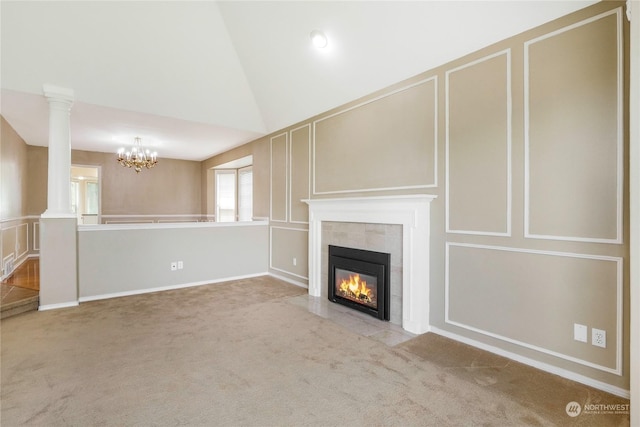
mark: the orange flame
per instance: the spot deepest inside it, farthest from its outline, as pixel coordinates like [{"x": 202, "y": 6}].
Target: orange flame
[{"x": 355, "y": 288}]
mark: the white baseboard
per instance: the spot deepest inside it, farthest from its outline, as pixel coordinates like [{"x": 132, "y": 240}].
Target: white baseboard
[
  {"x": 166, "y": 288},
  {"x": 57, "y": 306},
  {"x": 286, "y": 279},
  {"x": 536, "y": 364}
]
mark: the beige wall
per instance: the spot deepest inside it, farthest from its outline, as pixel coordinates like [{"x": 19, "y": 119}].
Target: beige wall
[
  {"x": 13, "y": 169},
  {"x": 300, "y": 167},
  {"x": 37, "y": 185},
  {"x": 477, "y": 143},
  {"x": 524, "y": 144},
  {"x": 371, "y": 146},
  {"x": 17, "y": 228},
  {"x": 573, "y": 143},
  {"x": 171, "y": 188}
]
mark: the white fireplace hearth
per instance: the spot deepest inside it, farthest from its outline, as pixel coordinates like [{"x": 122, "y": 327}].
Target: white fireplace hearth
[{"x": 413, "y": 213}]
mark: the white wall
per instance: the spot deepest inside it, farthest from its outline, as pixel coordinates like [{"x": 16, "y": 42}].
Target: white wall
[{"x": 117, "y": 260}]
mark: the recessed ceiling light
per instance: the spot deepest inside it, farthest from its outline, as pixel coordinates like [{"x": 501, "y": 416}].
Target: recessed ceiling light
[{"x": 318, "y": 39}]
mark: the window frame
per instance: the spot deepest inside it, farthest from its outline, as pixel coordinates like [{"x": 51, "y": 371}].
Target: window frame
[
  {"x": 236, "y": 193},
  {"x": 218, "y": 172},
  {"x": 239, "y": 172}
]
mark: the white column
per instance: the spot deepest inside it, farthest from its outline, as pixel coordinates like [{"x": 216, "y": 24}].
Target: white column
[
  {"x": 58, "y": 195},
  {"x": 58, "y": 242}
]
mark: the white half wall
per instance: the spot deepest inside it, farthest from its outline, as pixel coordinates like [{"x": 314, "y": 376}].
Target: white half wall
[{"x": 118, "y": 260}]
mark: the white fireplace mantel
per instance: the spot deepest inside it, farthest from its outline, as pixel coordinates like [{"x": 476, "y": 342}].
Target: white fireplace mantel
[{"x": 413, "y": 213}]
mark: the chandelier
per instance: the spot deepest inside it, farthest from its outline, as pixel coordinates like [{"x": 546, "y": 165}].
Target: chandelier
[{"x": 137, "y": 157}]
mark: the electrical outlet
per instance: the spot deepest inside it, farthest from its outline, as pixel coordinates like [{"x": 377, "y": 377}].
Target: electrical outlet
[
  {"x": 180, "y": 265},
  {"x": 599, "y": 337},
  {"x": 579, "y": 332},
  {"x": 174, "y": 266},
  {"x": 295, "y": 261}
]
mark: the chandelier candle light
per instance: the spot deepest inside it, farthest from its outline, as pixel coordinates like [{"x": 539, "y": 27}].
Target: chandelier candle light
[{"x": 137, "y": 157}]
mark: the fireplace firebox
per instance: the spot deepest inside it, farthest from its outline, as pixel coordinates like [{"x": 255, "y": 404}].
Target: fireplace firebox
[{"x": 360, "y": 279}]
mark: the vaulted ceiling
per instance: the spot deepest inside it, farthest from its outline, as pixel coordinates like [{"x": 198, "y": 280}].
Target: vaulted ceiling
[{"x": 196, "y": 78}]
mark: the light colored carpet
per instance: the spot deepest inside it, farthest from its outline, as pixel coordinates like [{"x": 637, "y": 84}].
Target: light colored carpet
[{"x": 230, "y": 354}]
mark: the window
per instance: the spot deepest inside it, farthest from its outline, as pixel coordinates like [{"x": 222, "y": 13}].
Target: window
[
  {"x": 245, "y": 194},
  {"x": 225, "y": 195},
  {"x": 75, "y": 191},
  {"x": 234, "y": 190},
  {"x": 85, "y": 193},
  {"x": 91, "y": 197}
]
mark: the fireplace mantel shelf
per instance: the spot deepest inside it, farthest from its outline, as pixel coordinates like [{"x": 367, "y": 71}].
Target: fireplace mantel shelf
[{"x": 410, "y": 211}]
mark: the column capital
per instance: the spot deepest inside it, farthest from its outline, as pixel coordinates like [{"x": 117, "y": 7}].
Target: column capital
[{"x": 57, "y": 93}]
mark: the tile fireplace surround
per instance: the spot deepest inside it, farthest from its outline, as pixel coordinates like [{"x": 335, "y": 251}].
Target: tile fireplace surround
[{"x": 413, "y": 213}]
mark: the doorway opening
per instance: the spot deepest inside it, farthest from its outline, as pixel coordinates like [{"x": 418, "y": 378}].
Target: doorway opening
[{"x": 85, "y": 194}]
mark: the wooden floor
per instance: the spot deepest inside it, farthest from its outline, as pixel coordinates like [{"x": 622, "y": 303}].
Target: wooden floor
[{"x": 20, "y": 292}]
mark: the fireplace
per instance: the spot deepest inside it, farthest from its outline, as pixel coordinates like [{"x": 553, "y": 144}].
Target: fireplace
[
  {"x": 360, "y": 279},
  {"x": 412, "y": 212}
]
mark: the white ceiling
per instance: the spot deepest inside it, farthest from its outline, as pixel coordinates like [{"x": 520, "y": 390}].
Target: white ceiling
[{"x": 196, "y": 78}]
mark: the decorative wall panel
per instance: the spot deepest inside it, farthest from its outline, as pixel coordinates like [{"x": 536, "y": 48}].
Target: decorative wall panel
[
  {"x": 573, "y": 132},
  {"x": 9, "y": 238},
  {"x": 542, "y": 294},
  {"x": 36, "y": 236},
  {"x": 300, "y": 154},
  {"x": 279, "y": 178},
  {"x": 367, "y": 147},
  {"x": 292, "y": 251},
  {"x": 478, "y": 146},
  {"x": 22, "y": 240}
]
